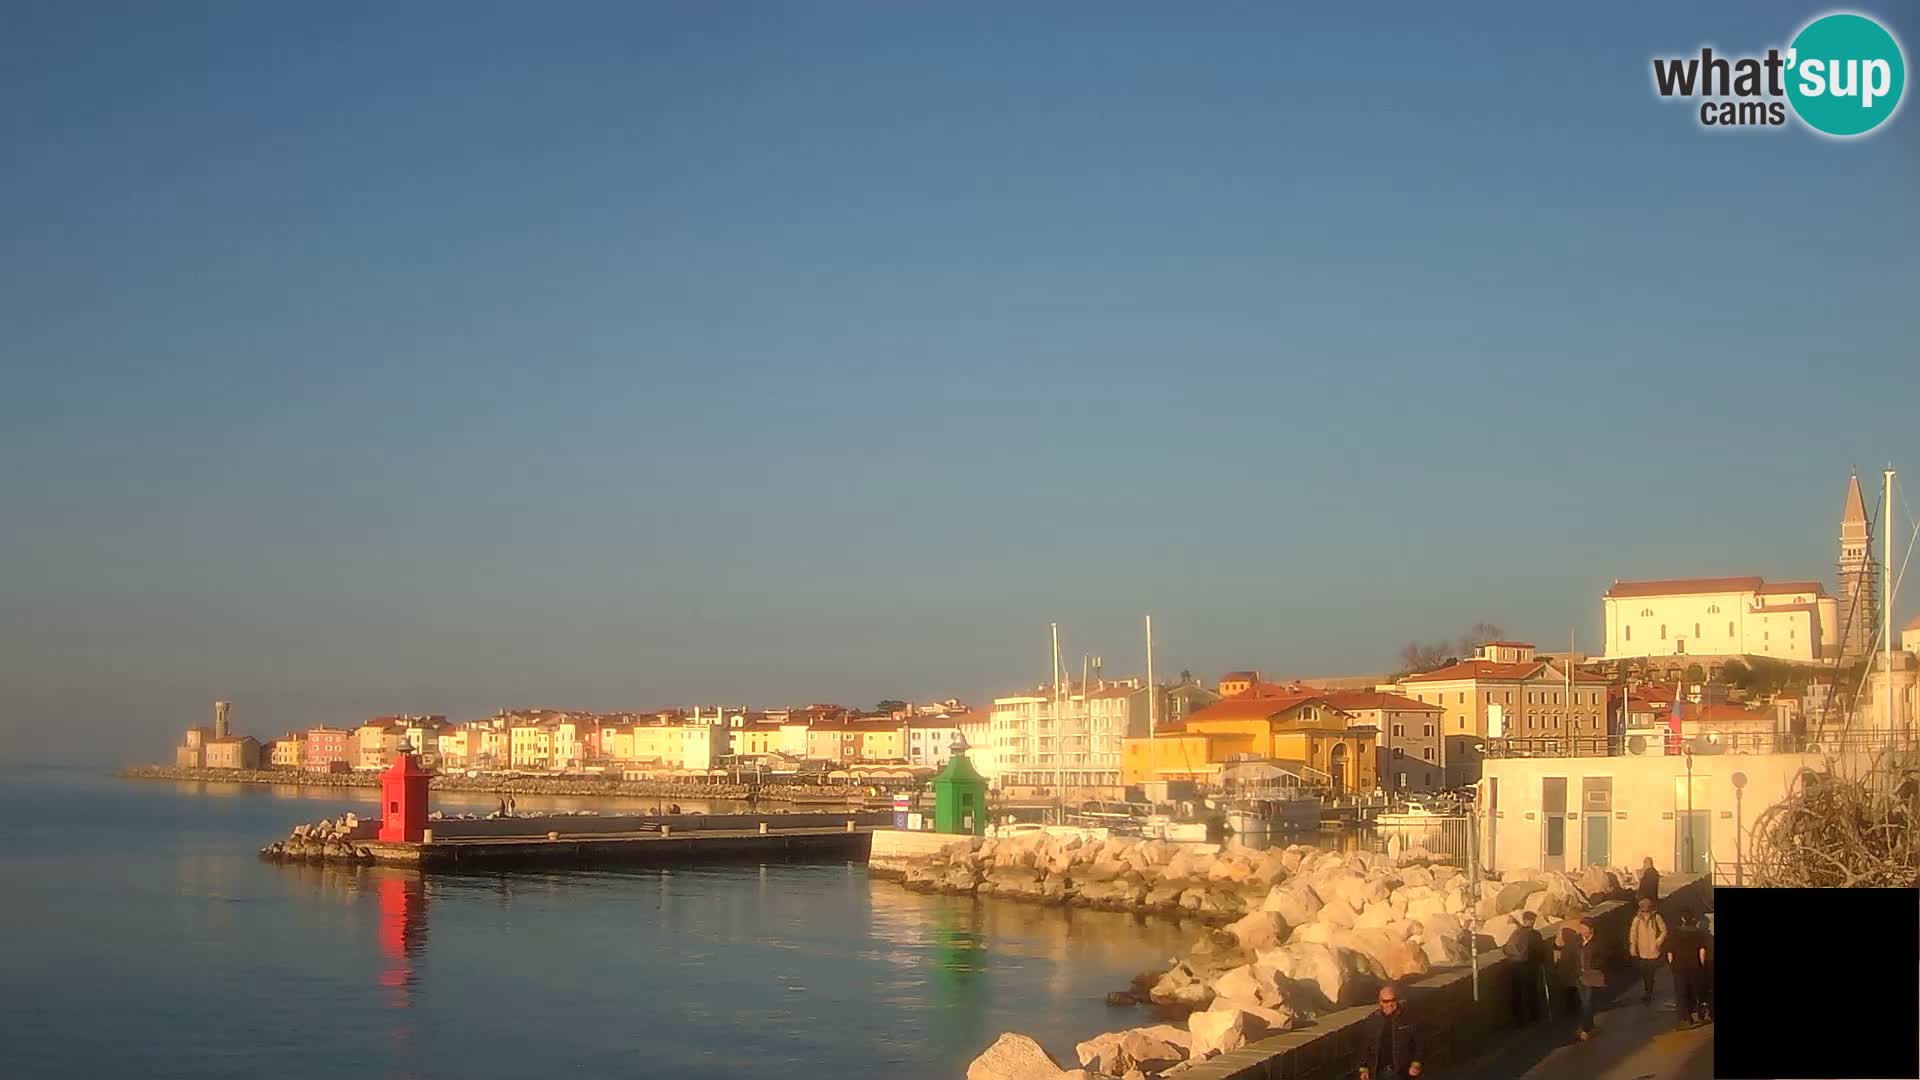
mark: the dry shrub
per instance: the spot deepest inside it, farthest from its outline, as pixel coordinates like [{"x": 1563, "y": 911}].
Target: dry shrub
[{"x": 1845, "y": 827}]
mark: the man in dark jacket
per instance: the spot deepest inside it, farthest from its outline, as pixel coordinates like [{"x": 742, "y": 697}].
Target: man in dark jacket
[
  {"x": 1649, "y": 888},
  {"x": 1687, "y": 958},
  {"x": 1528, "y": 952},
  {"x": 1391, "y": 1049}
]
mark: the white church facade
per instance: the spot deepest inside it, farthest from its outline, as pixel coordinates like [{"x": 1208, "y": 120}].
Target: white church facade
[
  {"x": 1749, "y": 616},
  {"x": 1737, "y": 616}
]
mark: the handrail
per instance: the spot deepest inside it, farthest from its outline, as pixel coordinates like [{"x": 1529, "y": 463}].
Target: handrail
[{"x": 1661, "y": 744}]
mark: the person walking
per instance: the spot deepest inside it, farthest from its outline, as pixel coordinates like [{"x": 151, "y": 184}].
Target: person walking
[
  {"x": 1563, "y": 982},
  {"x": 1687, "y": 958},
  {"x": 1390, "y": 1047},
  {"x": 1591, "y": 978},
  {"x": 1649, "y": 886},
  {"x": 1647, "y": 943},
  {"x": 1528, "y": 951}
]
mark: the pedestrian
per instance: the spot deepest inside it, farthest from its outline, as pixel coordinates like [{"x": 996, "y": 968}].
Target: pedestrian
[
  {"x": 1527, "y": 950},
  {"x": 1687, "y": 958},
  {"x": 1593, "y": 978},
  {"x": 1564, "y": 980},
  {"x": 511, "y": 808},
  {"x": 1647, "y": 942},
  {"x": 1390, "y": 1048},
  {"x": 1649, "y": 888}
]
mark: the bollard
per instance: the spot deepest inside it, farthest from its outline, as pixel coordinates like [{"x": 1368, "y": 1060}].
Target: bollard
[
  {"x": 763, "y": 828},
  {"x": 426, "y": 836},
  {"x": 553, "y": 835},
  {"x": 849, "y": 824},
  {"x": 666, "y": 830}
]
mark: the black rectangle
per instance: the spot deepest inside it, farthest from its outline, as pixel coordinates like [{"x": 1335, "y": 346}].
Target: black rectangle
[{"x": 1844, "y": 962}]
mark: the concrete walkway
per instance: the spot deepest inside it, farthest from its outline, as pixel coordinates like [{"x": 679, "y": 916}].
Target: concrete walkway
[{"x": 1633, "y": 1042}]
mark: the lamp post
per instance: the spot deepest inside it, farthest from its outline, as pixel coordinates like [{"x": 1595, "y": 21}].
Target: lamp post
[
  {"x": 1739, "y": 825},
  {"x": 1686, "y": 831}
]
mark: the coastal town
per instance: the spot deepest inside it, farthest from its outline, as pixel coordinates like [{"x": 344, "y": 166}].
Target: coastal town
[{"x": 1691, "y": 669}]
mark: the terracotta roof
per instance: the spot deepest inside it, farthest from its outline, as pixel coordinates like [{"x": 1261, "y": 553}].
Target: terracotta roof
[
  {"x": 1778, "y": 609},
  {"x": 1813, "y": 587},
  {"x": 945, "y": 722},
  {"x": 1494, "y": 671},
  {"x": 1508, "y": 644},
  {"x": 1350, "y": 700},
  {"x": 1683, "y": 586},
  {"x": 1242, "y": 707},
  {"x": 1240, "y": 676}
]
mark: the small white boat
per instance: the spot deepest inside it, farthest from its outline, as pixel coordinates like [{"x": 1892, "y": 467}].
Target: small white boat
[
  {"x": 1162, "y": 827},
  {"x": 1416, "y": 815}
]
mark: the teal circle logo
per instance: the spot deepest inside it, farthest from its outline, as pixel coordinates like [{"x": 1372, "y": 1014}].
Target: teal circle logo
[{"x": 1845, "y": 74}]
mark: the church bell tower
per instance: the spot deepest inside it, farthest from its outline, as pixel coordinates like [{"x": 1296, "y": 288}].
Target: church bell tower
[{"x": 1859, "y": 576}]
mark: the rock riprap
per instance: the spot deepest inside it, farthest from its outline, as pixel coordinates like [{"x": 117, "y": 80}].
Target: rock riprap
[
  {"x": 1302, "y": 932},
  {"x": 337, "y": 840}
]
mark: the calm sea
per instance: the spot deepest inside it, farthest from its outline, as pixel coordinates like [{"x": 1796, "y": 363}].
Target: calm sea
[{"x": 145, "y": 938}]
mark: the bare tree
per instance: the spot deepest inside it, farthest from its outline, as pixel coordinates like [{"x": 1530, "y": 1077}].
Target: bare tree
[
  {"x": 1417, "y": 656},
  {"x": 1479, "y": 634}
]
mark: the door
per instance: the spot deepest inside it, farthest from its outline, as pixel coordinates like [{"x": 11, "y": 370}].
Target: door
[
  {"x": 1553, "y": 823},
  {"x": 1599, "y": 840},
  {"x": 1692, "y": 835}
]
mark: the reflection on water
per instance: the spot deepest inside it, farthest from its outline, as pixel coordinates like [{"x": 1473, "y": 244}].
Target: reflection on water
[{"x": 691, "y": 972}]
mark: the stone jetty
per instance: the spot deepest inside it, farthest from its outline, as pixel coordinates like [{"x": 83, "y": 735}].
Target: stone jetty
[
  {"x": 339, "y": 840},
  {"x": 1299, "y": 933}
]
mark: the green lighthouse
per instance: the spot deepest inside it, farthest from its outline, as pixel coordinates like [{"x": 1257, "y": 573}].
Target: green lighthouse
[{"x": 960, "y": 795}]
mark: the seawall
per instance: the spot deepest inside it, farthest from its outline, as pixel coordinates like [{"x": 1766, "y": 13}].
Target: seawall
[{"x": 1457, "y": 1027}]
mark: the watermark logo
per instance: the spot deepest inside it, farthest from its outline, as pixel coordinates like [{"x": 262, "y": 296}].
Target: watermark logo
[{"x": 1842, "y": 75}]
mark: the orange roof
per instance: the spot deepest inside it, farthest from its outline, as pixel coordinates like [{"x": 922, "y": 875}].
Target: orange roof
[
  {"x": 1245, "y": 707},
  {"x": 1494, "y": 671},
  {"x": 1813, "y": 587},
  {"x": 1509, "y": 644},
  {"x": 1351, "y": 700},
  {"x": 1240, "y": 676},
  {"x": 1682, "y": 586}
]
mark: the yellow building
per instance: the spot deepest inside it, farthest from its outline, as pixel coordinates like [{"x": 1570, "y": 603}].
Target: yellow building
[
  {"x": 881, "y": 740},
  {"x": 530, "y": 746},
  {"x": 1302, "y": 731},
  {"x": 1506, "y": 692},
  {"x": 760, "y": 738},
  {"x": 290, "y": 752}
]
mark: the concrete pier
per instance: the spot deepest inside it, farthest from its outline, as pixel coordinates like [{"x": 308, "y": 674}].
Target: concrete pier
[{"x": 652, "y": 847}]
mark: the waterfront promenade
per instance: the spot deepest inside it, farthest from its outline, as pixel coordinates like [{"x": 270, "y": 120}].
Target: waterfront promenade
[{"x": 1633, "y": 1042}]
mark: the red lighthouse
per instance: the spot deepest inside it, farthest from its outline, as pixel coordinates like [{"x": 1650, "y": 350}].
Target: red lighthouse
[{"x": 403, "y": 800}]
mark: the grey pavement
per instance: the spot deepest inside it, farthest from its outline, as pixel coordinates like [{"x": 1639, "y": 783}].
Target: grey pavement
[{"x": 1633, "y": 1042}]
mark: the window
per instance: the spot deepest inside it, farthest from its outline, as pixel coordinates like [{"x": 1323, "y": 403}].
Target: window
[
  {"x": 1696, "y": 629},
  {"x": 1397, "y": 732},
  {"x": 1713, "y": 609},
  {"x": 1398, "y": 753},
  {"x": 1663, "y": 631},
  {"x": 1429, "y": 731},
  {"x": 1646, "y": 613},
  {"x": 1629, "y": 633},
  {"x": 1460, "y": 698},
  {"x": 1729, "y": 627}
]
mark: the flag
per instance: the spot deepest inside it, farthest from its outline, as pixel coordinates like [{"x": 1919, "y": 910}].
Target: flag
[{"x": 1673, "y": 720}]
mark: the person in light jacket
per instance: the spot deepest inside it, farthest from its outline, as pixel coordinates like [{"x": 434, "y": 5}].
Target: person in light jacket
[{"x": 1647, "y": 943}]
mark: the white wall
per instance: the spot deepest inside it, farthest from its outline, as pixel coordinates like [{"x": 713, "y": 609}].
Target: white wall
[{"x": 1648, "y": 792}]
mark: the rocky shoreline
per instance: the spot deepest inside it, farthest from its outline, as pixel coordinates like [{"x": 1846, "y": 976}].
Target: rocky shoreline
[
  {"x": 334, "y": 841},
  {"x": 576, "y": 786},
  {"x": 1302, "y": 932}
]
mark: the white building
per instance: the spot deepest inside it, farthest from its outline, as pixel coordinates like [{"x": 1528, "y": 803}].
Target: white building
[
  {"x": 1733, "y": 616},
  {"x": 930, "y": 740},
  {"x": 1045, "y": 748}
]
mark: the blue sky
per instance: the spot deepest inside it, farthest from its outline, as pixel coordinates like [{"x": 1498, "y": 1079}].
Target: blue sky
[{"x": 446, "y": 356}]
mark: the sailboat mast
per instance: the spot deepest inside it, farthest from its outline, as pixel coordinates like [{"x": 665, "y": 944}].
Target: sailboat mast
[{"x": 1886, "y": 590}]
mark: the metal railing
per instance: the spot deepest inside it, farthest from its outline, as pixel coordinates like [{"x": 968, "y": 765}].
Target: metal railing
[{"x": 1658, "y": 745}]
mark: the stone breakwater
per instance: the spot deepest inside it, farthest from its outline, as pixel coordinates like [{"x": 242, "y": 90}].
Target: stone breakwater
[
  {"x": 1305, "y": 932},
  {"x": 335, "y": 840},
  {"x": 500, "y": 785}
]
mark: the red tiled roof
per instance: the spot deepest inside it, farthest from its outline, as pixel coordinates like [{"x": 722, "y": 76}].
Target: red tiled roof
[
  {"x": 1494, "y": 671},
  {"x": 1684, "y": 586},
  {"x": 1351, "y": 700},
  {"x": 1244, "y": 707},
  {"x": 1813, "y": 587},
  {"x": 1509, "y": 644},
  {"x": 1780, "y": 609}
]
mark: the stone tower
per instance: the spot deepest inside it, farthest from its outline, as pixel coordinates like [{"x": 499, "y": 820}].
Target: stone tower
[{"x": 1859, "y": 579}]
